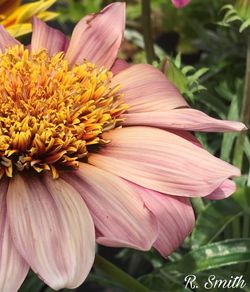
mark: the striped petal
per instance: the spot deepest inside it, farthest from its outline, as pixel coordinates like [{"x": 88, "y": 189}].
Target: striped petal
[
  {"x": 183, "y": 119},
  {"x": 117, "y": 209},
  {"x": 6, "y": 40},
  {"x": 146, "y": 89},
  {"x": 98, "y": 37},
  {"x": 52, "y": 229},
  {"x": 175, "y": 218},
  {"x": 45, "y": 37},
  {"x": 227, "y": 188},
  {"x": 162, "y": 161},
  {"x": 118, "y": 66},
  {"x": 13, "y": 268}
]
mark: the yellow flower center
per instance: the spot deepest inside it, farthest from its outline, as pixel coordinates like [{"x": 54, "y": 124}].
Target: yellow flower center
[{"x": 51, "y": 116}]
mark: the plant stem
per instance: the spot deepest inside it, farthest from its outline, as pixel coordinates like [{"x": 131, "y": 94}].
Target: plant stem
[
  {"x": 119, "y": 276},
  {"x": 236, "y": 226},
  {"x": 246, "y": 225},
  {"x": 245, "y": 113},
  {"x": 198, "y": 205},
  {"x": 147, "y": 31}
]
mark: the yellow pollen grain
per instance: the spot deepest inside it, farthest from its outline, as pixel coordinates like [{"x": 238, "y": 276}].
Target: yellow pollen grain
[{"x": 51, "y": 115}]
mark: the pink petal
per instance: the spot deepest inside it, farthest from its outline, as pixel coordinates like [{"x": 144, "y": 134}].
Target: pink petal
[
  {"x": 45, "y": 37},
  {"x": 98, "y": 37},
  {"x": 180, "y": 3},
  {"x": 183, "y": 119},
  {"x": 226, "y": 189},
  {"x": 162, "y": 161},
  {"x": 146, "y": 89},
  {"x": 175, "y": 218},
  {"x": 52, "y": 229},
  {"x": 117, "y": 209},
  {"x": 187, "y": 136},
  {"x": 13, "y": 268},
  {"x": 6, "y": 40},
  {"x": 118, "y": 66}
]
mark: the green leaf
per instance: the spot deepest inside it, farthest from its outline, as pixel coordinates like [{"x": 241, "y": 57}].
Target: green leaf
[
  {"x": 247, "y": 148},
  {"x": 245, "y": 25},
  {"x": 116, "y": 274},
  {"x": 217, "y": 215},
  {"x": 214, "y": 255},
  {"x": 176, "y": 76},
  {"x": 229, "y": 138}
]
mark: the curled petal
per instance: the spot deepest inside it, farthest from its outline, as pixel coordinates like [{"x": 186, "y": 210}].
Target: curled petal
[
  {"x": 147, "y": 89},
  {"x": 182, "y": 119},
  {"x": 45, "y": 37},
  {"x": 175, "y": 218},
  {"x": 52, "y": 229},
  {"x": 118, "y": 66},
  {"x": 227, "y": 188},
  {"x": 13, "y": 268},
  {"x": 98, "y": 37},
  {"x": 162, "y": 161},
  {"x": 117, "y": 209}
]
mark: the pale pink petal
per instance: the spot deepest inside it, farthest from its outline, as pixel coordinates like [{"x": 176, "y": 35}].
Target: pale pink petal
[
  {"x": 226, "y": 189},
  {"x": 180, "y": 3},
  {"x": 13, "y": 268},
  {"x": 45, "y": 37},
  {"x": 187, "y": 136},
  {"x": 117, "y": 209},
  {"x": 98, "y": 37},
  {"x": 175, "y": 218},
  {"x": 183, "y": 119},
  {"x": 146, "y": 89},
  {"x": 52, "y": 229},
  {"x": 118, "y": 66},
  {"x": 6, "y": 40},
  {"x": 162, "y": 161}
]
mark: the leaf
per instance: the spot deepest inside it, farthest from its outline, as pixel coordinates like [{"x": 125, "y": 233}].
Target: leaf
[
  {"x": 229, "y": 138},
  {"x": 176, "y": 76},
  {"x": 158, "y": 282},
  {"x": 199, "y": 73},
  {"x": 211, "y": 256},
  {"x": 119, "y": 276},
  {"x": 247, "y": 148},
  {"x": 245, "y": 25},
  {"x": 217, "y": 215}
]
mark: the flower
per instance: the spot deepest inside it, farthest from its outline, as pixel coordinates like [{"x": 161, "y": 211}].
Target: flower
[
  {"x": 16, "y": 17},
  {"x": 93, "y": 150},
  {"x": 180, "y": 3}
]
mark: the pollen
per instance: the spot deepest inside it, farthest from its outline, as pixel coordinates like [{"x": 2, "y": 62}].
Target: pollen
[{"x": 52, "y": 116}]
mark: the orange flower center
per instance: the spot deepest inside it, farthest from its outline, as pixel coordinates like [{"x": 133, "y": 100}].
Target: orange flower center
[{"x": 51, "y": 116}]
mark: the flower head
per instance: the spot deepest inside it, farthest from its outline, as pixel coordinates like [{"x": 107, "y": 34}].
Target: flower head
[
  {"x": 16, "y": 18},
  {"x": 93, "y": 150},
  {"x": 180, "y": 3}
]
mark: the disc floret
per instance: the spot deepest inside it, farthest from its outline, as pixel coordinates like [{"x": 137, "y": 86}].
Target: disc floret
[{"x": 51, "y": 114}]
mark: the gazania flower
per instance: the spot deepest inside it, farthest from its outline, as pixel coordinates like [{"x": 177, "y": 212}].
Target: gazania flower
[
  {"x": 180, "y": 3},
  {"x": 94, "y": 151},
  {"x": 16, "y": 18}
]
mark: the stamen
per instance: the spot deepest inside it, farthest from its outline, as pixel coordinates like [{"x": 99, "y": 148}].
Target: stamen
[{"x": 50, "y": 114}]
